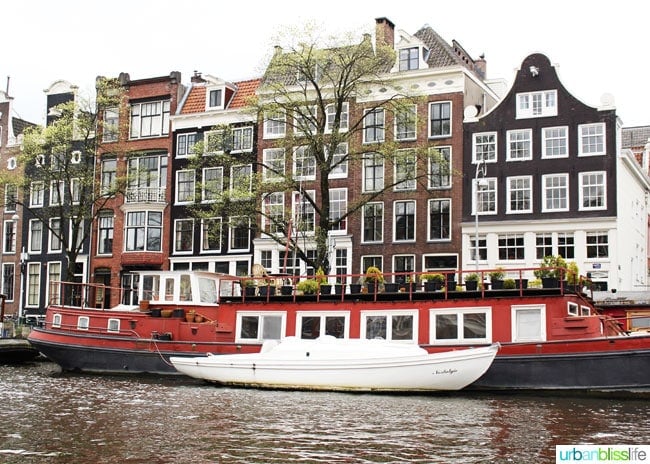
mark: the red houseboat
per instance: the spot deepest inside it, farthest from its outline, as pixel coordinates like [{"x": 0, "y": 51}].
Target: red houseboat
[{"x": 551, "y": 338}]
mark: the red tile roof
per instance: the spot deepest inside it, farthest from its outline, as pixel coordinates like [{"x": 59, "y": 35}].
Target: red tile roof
[
  {"x": 195, "y": 102},
  {"x": 245, "y": 90}
]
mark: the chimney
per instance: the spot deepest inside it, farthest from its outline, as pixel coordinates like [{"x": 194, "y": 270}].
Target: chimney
[
  {"x": 384, "y": 32},
  {"x": 480, "y": 66},
  {"x": 197, "y": 77}
]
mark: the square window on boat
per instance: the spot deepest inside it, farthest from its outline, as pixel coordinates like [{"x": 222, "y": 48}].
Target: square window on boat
[
  {"x": 113, "y": 325},
  {"x": 572, "y": 309},
  {"x": 56, "y": 320},
  {"x": 260, "y": 327},
  {"x": 585, "y": 311},
  {"x": 82, "y": 323},
  {"x": 312, "y": 325},
  {"x": 390, "y": 326},
  {"x": 528, "y": 323},
  {"x": 463, "y": 325}
]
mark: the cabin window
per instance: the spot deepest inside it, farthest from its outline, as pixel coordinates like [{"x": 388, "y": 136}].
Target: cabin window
[
  {"x": 207, "y": 290},
  {"x": 312, "y": 325},
  {"x": 393, "y": 326},
  {"x": 82, "y": 323},
  {"x": 260, "y": 327},
  {"x": 572, "y": 309},
  {"x": 528, "y": 323},
  {"x": 113, "y": 325},
  {"x": 585, "y": 311},
  {"x": 463, "y": 325},
  {"x": 56, "y": 320},
  {"x": 639, "y": 321}
]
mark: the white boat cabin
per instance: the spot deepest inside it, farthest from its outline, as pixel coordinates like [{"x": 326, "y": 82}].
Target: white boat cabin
[{"x": 184, "y": 287}]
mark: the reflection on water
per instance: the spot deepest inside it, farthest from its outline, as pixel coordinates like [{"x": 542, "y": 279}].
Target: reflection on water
[{"x": 80, "y": 418}]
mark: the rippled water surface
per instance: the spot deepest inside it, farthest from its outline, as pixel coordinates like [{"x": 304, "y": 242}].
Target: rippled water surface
[{"x": 55, "y": 418}]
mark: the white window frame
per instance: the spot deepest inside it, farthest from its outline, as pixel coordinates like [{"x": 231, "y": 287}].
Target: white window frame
[
  {"x": 554, "y": 138},
  {"x": 52, "y": 238},
  {"x": 219, "y": 185},
  {"x": 523, "y": 140},
  {"x": 330, "y": 113},
  {"x": 378, "y": 127},
  {"x": 478, "y": 196},
  {"x": 538, "y": 104},
  {"x": 160, "y": 121},
  {"x": 381, "y": 165},
  {"x": 415, "y": 221},
  {"x": 490, "y": 144},
  {"x": 430, "y": 203},
  {"x": 581, "y": 190},
  {"x": 389, "y": 323},
  {"x": 187, "y": 144},
  {"x": 273, "y": 159},
  {"x": 341, "y": 199},
  {"x": 307, "y": 169},
  {"x": 339, "y": 171},
  {"x": 363, "y": 222},
  {"x": 57, "y": 194},
  {"x": 296, "y": 202},
  {"x": 218, "y": 220},
  {"x": 406, "y": 159},
  {"x": 245, "y": 139},
  {"x": 460, "y": 313},
  {"x": 32, "y": 241},
  {"x": 545, "y": 189},
  {"x": 323, "y": 315},
  {"x": 113, "y": 325},
  {"x": 260, "y": 315},
  {"x": 222, "y": 95},
  {"x": 56, "y": 320},
  {"x": 451, "y": 114},
  {"x": 304, "y": 121},
  {"x": 232, "y": 227},
  {"x": 83, "y": 323},
  {"x": 510, "y": 191},
  {"x": 190, "y": 181},
  {"x": 177, "y": 222},
  {"x": 275, "y": 125},
  {"x": 444, "y": 154},
  {"x": 270, "y": 210},
  {"x": 516, "y": 335},
  {"x": 241, "y": 168},
  {"x": 406, "y": 117},
  {"x": 37, "y": 194},
  {"x": 587, "y": 134}
]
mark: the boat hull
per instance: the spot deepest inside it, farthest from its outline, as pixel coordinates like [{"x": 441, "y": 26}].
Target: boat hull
[
  {"x": 15, "y": 351},
  {"x": 338, "y": 371}
]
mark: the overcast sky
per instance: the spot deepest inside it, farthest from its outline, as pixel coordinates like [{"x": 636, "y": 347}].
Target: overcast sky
[{"x": 599, "y": 47}]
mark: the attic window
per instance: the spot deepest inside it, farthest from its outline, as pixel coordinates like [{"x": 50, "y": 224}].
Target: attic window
[
  {"x": 408, "y": 59},
  {"x": 214, "y": 98}
]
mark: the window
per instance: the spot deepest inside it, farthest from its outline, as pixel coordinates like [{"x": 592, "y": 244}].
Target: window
[
  {"x": 241, "y": 178},
  {"x": 215, "y": 98},
  {"x": 185, "y": 144},
  {"x": 389, "y": 325},
  {"x": 273, "y": 217},
  {"x": 368, "y": 261},
  {"x": 304, "y": 164},
  {"x": 55, "y": 235},
  {"x": 83, "y": 322},
  {"x": 528, "y": 323},
  {"x": 113, "y": 325},
  {"x": 274, "y": 125},
  {"x": 330, "y": 118},
  {"x": 105, "y": 233},
  {"x": 214, "y": 142},
  {"x": 341, "y": 264},
  {"x": 339, "y": 162},
  {"x": 511, "y": 247},
  {"x": 482, "y": 248},
  {"x": 537, "y": 104},
  {"x": 311, "y": 325},
  {"x": 338, "y": 209},
  {"x": 304, "y": 216},
  {"x": 373, "y": 126},
  {"x": 466, "y": 325},
  {"x": 485, "y": 200},
  {"x": 555, "y": 142},
  {"x": 33, "y": 284},
  {"x": 147, "y": 179},
  {"x": 111, "y": 129},
  {"x": 403, "y": 266},
  {"x": 406, "y": 123},
  {"x": 543, "y": 245},
  {"x": 11, "y": 195},
  {"x": 520, "y": 194},
  {"x": 439, "y": 219},
  {"x": 8, "y": 277},
  {"x": 242, "y": 139},
  {"x": 239, "y": 231},
  {"x": 54, "y": 282},
  {"x": 520, "y": 145},
  {"x": 484, "y": 147},
  {"x": 35, "y": 236},
  {"x": 373, "y": 222},
  {"x": 304, "y": 120},
  {"x": 109, "y": 174},
  {"x": 555, "y": 192},
  {"x": 211, "y": 230},
  {"x": 9, "y": 243},
  {"x": 75, "y": 190},
  {"x": 56, "y": 320},
  {"x": 404, "y": 220},
  {"x": 143, "y": 231},
  {"x": 260, "y": 327},
  {"x": 184, "y": 235},
  {"x": 212, "y": 185},
  {"x": 409, "y": 59},
  {"x": 405, "y": 170},
  {"x": 565, "y": 245},
  {"x": 37, "y": 194},
  {"x": 597, "y": 245},
  {"x": 440, "y": 119},
  {"x": 373, "y": 172},
  {"x": 150, "y": 119},
  {"x": 593, "y": 191},
  {"x": 591, "y": 140},
  {"x": 439, "y": 171},
  {"x": 273, "y": 164},
  {"x": 185, "y": 186},
  {"x": 57, "y": 191}
]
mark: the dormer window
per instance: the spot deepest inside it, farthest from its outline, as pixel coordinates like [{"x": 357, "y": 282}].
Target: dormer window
[
  {"x": 214, "y": 98},
  {"x": 409, "y": 59}
]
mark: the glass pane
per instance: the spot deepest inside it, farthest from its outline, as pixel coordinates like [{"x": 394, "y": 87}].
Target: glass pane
[
  {"x": 375, "y": 327},
  {"x": 310, "y": 327},
  {"x": 474, "y": 325},
  {"x": 272, "y": 328},
  {"x": 446, "y": 326},
  {"x": 528, "y": 324},
  {"x": 402, "y": 328},
  {"x": 335, "y": 326},
  {"x": 249, "y": 327}
]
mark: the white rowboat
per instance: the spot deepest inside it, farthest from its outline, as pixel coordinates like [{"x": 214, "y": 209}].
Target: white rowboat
[{"x": 329, "y": 363}]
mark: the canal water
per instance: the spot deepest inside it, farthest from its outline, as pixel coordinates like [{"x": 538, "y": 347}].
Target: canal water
[{"x": 49, "y": 417}]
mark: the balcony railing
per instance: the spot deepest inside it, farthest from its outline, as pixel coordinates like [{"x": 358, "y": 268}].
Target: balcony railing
[{"x": 146, "y": 195}]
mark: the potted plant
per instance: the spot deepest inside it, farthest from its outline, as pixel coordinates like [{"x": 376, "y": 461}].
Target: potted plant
[
  {"x": 573, "y": 274},
  {"x": 307, "y": 286},
  {"x": 249, "y": 286},
  {"x": 432, "y": 281},
  {"x": 471, "y": 281},
  {"x": 373, "y": 278},
  {"x": 323, "y": 283},
  {"x": 509, "y": 284},
  {"x": 551, "y": 270},
  {"x": 496, "y": 278}
]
